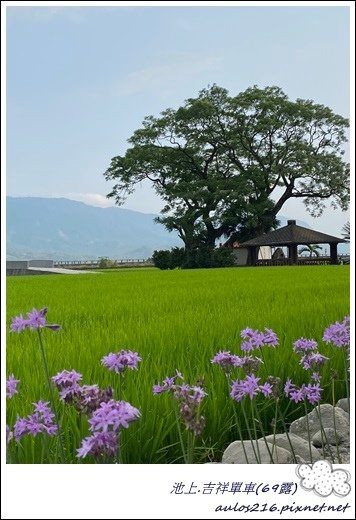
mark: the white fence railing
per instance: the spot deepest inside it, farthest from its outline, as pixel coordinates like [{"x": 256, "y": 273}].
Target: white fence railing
[{"x": 98, "y": 263}]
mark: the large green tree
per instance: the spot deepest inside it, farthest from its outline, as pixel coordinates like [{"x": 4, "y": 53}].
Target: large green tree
[{"x": 226, "y": 165}]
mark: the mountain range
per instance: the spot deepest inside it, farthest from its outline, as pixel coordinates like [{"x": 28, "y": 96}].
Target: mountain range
[{"x": 63, "y": 229}]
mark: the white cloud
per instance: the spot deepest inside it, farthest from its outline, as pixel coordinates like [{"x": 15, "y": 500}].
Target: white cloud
[
  {"x": 164, "y": 76},
  {"x": 92, "y": 199},
  {"x": 323, "y": 480},
  {"x": 45, "y": 14},
  {"x": 62, "y": 234}
]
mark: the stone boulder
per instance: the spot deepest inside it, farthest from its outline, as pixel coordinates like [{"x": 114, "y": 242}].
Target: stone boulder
[
  {"x": 234, "y": 454},
  {"x": 343, "y": 404},
  {"x": 342, "y": 421},
  {"x": 300, "y": 446},
  {"x": 328, "y": 436}
]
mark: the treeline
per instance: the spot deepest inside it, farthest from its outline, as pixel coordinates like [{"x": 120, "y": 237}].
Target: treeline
[{"x": 193, "y": 258}]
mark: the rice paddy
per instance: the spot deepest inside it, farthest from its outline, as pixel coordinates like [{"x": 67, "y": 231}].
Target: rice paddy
[{"x": 175, "y": 320}]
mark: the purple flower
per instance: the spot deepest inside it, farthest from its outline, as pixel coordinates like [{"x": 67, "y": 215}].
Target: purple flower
[
  {"x": 41, "y": 421},
  {"x": 68, "y": 385},
  {"x": 69, "y": 393},
  {"x": 100, "y": 444},
  {"x": 303, "y": 345},
  {"x": 89, "y": 398},
  {"x": 198, "y": 394},
  {"x": 297, "y": 395},
  {"x": 113, "y": 415},
  {"x": 18, "y": 324},
  {"x": 35, "y": 320},
  {"x": 251, "y": 386},
  {"x": 166, "y": 385},
  {"x": 256, "y": 339},
  {"x": 312, "y": 393},
  {"x": 158, "y": 389},
  {"x": 43, "y": 408},
  {"x": 248, "y": 386},
  {"x": 316, "y": 377},
  {"x": 266, "y": 389},
  {"x": 86, "y": 398},
  {"x": 66, "y": 379},
  {"x": 237, "y": 390},
  {"x": 338, "y": 333},
  {"x": 226, "y": 360},
  {"x": 189, "y": 399},
  {"x": 288, "y": 387},
  {"x": 11, "y": 386},
  {"x": 313, "y": 360},
  {"x": 117, "y": 362}
]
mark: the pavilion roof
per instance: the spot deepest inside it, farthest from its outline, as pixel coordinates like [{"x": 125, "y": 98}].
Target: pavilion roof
[{"x": 291, "y": 234}]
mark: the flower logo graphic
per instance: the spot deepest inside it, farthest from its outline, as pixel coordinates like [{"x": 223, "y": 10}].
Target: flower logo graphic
[{"x": 323, "y": 480}]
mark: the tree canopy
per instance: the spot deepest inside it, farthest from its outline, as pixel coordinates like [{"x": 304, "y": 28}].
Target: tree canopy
[
  {"x": 225, "y": 165},
  {"x": 346, "y": 230}
]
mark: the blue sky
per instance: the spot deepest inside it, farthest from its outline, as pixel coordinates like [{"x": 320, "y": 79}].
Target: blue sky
[{"x": 80, "y": 80}]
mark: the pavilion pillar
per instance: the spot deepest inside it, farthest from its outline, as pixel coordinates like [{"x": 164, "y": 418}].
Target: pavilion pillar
[
  {"x": 333, "y": 253},
  {"x": 252, "y": 255},
  {"x": 293, "y": 253}
]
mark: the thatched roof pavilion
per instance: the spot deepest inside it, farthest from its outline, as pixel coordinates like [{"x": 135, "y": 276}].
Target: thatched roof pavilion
[{"x": 291, "y": 236}]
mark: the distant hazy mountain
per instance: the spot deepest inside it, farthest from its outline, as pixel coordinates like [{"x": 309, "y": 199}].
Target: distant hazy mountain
[{"x": 63, "y": 229}]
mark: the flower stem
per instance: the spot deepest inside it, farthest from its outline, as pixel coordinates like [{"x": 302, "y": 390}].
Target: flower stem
[
  {"x": 323, "y": 435},
  {"x": 334, "y": 420},
  {"x": 185, "y": 458},
  {"x": 309, "y": 439},
  {"x": 287, "y": 434},
  {"x": 347, "y": 379},
  {"x": 191, "y": 445},
  {"x": 237, "y": 422},
  {"x": 274, "y": 430},
  {"x": 258, "y": 459},
  {"x": 45, "y": 366},
  {"x": 263, "y": 433}
]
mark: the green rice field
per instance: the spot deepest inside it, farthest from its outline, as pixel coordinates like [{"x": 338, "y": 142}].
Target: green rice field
[{"x": 175, "y": 320}]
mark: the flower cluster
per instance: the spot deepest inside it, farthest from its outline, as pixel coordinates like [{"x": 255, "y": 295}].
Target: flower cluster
[
  {"x": 11, "y": 386},
  {"x": 85, "y": 398},
  {"x": 189, "y": 401},
  {"x": 35, "y": 320},
  {"x": 105, "y": 424},
  {"x": 250, "y": 386},
  {"x": 167, "y": 384},
  {"x": 41, "y": 421},
  {"x": 303, "y": 345},
  {"x": 310, "y": 359},
  {"x": 117, "y": 362},
  {"x": 226, "y": 360},
  {"x": 338, "y": 333},
  {"x": 313, "y": 360},
  {"x": 254, "y": 339},
  {"x": 310, "y": 392}
]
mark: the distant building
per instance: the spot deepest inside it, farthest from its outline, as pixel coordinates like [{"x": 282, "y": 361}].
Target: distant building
[{"x": 264, "y": 249}]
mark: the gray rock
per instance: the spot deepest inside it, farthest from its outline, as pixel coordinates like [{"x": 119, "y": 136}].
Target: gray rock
[
  {"x": 336, "y": 456},
  {"x": 300, "y": 446},
  {"x": 234, "y": 454},
  {"x": 342, "y": 420},
  {"x": 343, "y": 404},
  {"x": 328, "y": 436}
]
